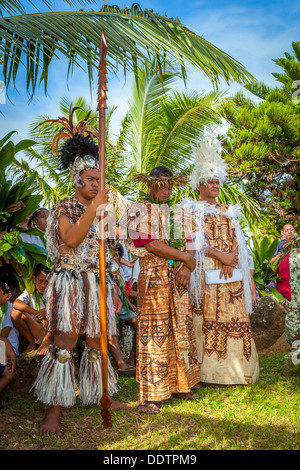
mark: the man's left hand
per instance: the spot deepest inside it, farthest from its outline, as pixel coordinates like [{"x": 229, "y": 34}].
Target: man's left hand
[
  {"x": 117, "y": 303},
  {"x": 226, "y": 271},
  {"x": 183, "y": 277}
]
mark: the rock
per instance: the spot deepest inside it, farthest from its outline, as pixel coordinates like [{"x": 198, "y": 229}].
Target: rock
[
  {"x": 268, "y": 322},
  {"x": 280, "y": 345},
  {"x": 126, "y": 340}
]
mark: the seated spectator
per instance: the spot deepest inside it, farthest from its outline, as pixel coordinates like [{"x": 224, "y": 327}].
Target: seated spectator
[
  {"x": 283, "y": 285},
  {"x": 287, "y": 231},
  {"x": 125, "y": 315},
  {"x": 8, "y": 292},
  {"x": 7, "y": 364},
  {"x": 8, "y": 329},
  {"x": 29, "y": 313},
  {"x": 38, "y": 220}
]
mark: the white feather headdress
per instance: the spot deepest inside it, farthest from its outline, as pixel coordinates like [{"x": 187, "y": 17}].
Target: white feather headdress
[{"x": 209, "y": 163}]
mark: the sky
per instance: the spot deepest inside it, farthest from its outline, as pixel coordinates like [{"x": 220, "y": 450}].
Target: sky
[{"x": 252, "y": 32}]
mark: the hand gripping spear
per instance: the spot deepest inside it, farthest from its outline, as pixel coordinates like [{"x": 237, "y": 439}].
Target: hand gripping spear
[{"x": 102, "y": 89}]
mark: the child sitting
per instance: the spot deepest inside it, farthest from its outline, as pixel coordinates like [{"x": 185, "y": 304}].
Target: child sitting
[
  {"x": 29, "y": 313},
  {"x": 9, "y": 341}
]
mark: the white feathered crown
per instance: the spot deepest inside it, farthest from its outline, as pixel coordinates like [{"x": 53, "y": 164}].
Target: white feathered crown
[{"x": 209, "y": 163}]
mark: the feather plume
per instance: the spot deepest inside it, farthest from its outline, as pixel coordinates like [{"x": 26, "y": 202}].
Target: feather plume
[{"x": 209, "y": 163}]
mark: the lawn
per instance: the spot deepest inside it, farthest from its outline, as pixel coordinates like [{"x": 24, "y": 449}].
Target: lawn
[{"x": 264, "y": 416}]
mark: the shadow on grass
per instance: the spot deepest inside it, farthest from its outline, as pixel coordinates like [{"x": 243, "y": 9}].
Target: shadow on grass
[{"x": 264, "y": 416}]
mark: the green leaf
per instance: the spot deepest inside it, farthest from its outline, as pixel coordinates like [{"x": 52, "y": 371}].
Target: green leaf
[
  {"x": 4, "y": 246},
  {"x": 277, "y": 295},
  {"x": 19, "y": 254},
  {"x": 6, "y": 138},
  {"x": 7, "y": 153},
  {"x": 263, "y": 293},
  {"x": 32, "y": 248},
  {"x": 131, "y": 34},
  {"x": 24, "y": 145},
  {"x": 13, "y": 238},
  {"x": 32, "y": 204}
]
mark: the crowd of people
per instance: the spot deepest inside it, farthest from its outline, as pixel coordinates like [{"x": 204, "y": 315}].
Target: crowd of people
[{"x": 181, "y": 277}]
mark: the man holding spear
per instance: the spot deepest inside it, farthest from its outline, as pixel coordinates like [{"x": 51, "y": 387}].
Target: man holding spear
[
  {"x": 73, "y": 293},
  {"x": 82, "y": 298}
]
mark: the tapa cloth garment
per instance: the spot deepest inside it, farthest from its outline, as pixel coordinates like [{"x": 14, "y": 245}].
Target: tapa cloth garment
[
  {"x": 166, "y": 348},
  {"x": 73, "y": 290},
  {"x": 73, "y": 306},
  {"x": 82, "y": 258},
  {"x": 225, "y": 344}
]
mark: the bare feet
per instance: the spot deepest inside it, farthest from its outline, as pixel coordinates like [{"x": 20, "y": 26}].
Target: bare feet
[
  {"x": 44, "y": 346},
  {"x": 43, "y": 349},
  {"x": 197, "y": 386},
  {"x": 31, "y": 347},
  {"x": 50, "y": 424},
  {"x": 119, "y": 404},
  {"x": 187, "y": 396}
]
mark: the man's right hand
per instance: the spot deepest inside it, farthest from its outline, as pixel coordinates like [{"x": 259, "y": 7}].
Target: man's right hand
[
  {"x": 100, "y": 201},
  {"x": 231, "y": 259},
  {"x": 190, "y": 262}
]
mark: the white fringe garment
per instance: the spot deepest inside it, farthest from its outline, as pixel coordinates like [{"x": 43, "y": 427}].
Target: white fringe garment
[
  {"x": 200, "y": 209},
  {"x": 55, "y": 383},
  {"x": 91, "y": 386}
]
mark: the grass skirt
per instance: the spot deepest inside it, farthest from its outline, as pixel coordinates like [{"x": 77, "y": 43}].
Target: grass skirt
[{"x": 73, "y": 303}]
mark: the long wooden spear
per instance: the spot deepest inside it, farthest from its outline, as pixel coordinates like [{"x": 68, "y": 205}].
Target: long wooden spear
[{"x": 102, "y": 89}]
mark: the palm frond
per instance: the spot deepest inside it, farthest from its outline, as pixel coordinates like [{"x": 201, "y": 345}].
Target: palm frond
[
  {"x": 34, "y": 40},
  {"x": 162, "y": 125},
  {"x": 250, "y": 207}
]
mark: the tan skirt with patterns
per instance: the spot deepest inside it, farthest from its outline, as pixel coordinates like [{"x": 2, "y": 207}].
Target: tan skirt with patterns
[
  {"x": 166, "y": 346},
  {"x": 225, "y": 345}
]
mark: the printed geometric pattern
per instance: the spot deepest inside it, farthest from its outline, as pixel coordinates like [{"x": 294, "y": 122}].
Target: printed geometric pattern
[
  {"x": 155, "y": 371},
  {"x": 216, "y": 334},
  {"x": 157, "y": 330}
]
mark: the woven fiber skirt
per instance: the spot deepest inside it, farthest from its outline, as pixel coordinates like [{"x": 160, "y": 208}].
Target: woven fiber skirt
[{"x": 73, "y": 303}]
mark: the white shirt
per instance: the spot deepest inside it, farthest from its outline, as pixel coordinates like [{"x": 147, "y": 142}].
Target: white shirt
[{"x": 13, "y": 336}]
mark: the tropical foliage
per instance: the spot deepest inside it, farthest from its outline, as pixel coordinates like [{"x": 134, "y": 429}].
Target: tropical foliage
[
  {"x": 34, "y": 40},
  {"x": 265, "y": 274},
  {"x": 17, "y": 203},
  {"x": 161, "y": 127},
  {"x": 263, "y": 144}
]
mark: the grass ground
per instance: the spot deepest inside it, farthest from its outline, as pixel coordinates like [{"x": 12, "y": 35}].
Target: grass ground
[{"x": 265, "y": 416}]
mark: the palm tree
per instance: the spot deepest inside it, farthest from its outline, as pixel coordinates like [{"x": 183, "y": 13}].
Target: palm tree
[
  {"x": 160, "y": 127},
  {"x": 133, "y": 35}
]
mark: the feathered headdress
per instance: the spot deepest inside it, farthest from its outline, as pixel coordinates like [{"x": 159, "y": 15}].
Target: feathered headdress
[
  {"x": 79, "y": 151},
  {"x": 176, "y": 180},
  {"x": 69, "y": 129},
  {"x": 209, "y": 163}
]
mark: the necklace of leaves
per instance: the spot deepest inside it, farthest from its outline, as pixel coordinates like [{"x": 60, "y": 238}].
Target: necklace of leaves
[
  {"x": 38, "y": 297},
  {"x": 174, "y": 242}
]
